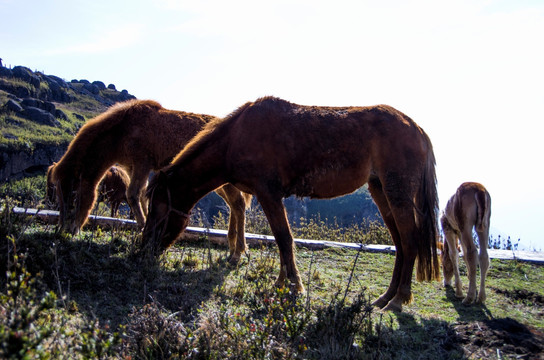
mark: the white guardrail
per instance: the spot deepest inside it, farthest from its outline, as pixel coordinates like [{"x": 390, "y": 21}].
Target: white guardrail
[{"x": 220, "y": 236}]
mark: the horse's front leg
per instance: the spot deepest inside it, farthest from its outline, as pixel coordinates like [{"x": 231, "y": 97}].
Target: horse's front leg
[
  {"x": 134, "y": 194},
  {"x": 275, "y": 213}
]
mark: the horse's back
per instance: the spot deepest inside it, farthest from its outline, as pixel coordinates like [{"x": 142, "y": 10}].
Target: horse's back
[
  {"x": 324, "y": 151},
  {"x": 469, "y": 207}
]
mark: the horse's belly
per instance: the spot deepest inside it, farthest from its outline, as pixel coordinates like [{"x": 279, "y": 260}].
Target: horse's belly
[{"x": 330, "y": 183}]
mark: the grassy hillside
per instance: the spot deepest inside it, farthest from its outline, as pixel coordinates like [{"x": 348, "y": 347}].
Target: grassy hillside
[{"x": 20, "y": 132}]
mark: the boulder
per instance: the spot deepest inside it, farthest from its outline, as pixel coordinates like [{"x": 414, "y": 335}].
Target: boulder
[
  {"x": 17, "y": 163},
  {"x": 40, "y": 104},
  {"x": 27, "y": 75},
  {"x": 30, "y": 102},
  {"x": 58, "y": 88},
  {"x": 40, "y": 116},
  {"x": 59, "y": 114},
  {"x": 12, "y": 105},
  {"x": 93, "y": 89},
  {"x": 99, "y": 84},
  {"x": 5, "y": 72},
  {"x": 79, "y": 117}
]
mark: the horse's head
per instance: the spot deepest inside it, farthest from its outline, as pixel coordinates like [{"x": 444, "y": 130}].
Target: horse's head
[
  {"x": 166, "y": 217},
  {"x": 50, "y": 190},
  {"x": 68, "y": 190}
]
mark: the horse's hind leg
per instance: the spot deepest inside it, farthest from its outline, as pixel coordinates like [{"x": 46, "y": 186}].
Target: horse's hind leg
[
  {"x": 375, "y": 188},
  {"x": 483, "y": 237},
  {"x": 404, "y": 218},
  {"x": 451, "y": 238},
  {"x": 236, "y": 234},
  {"x": 470, "y": 253}
]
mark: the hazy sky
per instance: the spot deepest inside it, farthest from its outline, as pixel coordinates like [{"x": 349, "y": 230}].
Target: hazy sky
[{"x": 471, "y": 73}]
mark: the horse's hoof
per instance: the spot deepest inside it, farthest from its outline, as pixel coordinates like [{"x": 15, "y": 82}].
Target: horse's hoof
[
  {"x": 468, "y": 301},
  {"x": 380, "y": 303},
  {"x": 392, "y": 307},
  {"x": 233, "y": 260},
  {"x": 459, "y": 295}
]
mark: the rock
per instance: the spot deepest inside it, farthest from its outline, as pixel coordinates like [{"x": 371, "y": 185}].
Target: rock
[
  {"x": 44, "y": 105},
  {"x": 5, "y": 72},
  {"x": 40, "y": 116},
  {"x": 79, "y": 117},
  {"x": 27, "y": 75},
  {"x": 93, "y": 89},
  {"x": 15, "y": 164},
  {"x": 57, "y": 80},
  {"x": 12, "y": 105},
  {"x": 18, "y": 90},
  {"x": 9, "y": 136},
  {"x": 61, "y": 115},
  {"x": 124, "y": 95},
  {"x": 99, "y": 84},
  {"x": 58, "y": 88},
  {"x": 30, "y": 102}
]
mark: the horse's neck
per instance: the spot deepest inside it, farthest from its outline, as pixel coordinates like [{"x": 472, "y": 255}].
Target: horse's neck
[
  {"x": 205, "y": 172},
  {"x": 93, "y": 172}
]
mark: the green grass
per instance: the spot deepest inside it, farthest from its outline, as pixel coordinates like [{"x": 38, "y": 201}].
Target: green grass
[{"x": 191, "y": 303}]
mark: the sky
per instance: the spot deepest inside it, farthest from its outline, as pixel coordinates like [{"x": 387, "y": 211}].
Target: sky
[{"x": 469, "y": 72}]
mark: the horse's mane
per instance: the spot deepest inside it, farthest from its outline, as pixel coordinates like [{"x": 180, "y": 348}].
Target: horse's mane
[
  {"x": 100, "y": 124},
  {"x": 211, "y": 129},
  {"x": 114, "y": 115}
]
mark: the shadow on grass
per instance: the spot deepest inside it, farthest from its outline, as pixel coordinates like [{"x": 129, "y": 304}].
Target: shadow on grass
[
  {"x": 428, "y": 338},
  {"x": 103, "y": 281},
  {"x": 473, "y": 312}
]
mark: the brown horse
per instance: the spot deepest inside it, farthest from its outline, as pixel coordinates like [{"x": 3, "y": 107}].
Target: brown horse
[
  {"x": 468, "y": 208},
  {"x": 140, "y": 136},
  {"x": 273, "y": 149},
  {"x": 113, "y": 188},
  {"x": 50, "y": 193}
]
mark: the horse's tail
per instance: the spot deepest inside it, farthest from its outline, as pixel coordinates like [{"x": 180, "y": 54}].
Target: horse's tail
[
  {"x": 427, "y": 219},
  {"x": 483, "y": 201}
]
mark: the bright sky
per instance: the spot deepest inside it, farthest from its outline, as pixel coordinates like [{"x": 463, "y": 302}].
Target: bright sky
[{"x": 470, "y": 72}]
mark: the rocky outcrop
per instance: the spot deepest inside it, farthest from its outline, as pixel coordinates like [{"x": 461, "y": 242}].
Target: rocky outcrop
[
  {"x": 53, "y": 88},
  {"x": 36, "y": 97},
  {"x": 17, "y": 164}
]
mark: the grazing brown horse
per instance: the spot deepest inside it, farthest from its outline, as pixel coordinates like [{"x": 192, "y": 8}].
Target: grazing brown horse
[
  {"x": 50, "y": 193},
  {"x": 140, "y": 136},
  {"x": 468, "y": 208},
  {"x": 272, "y": 149},
  {"x": 113, "y": 188}
]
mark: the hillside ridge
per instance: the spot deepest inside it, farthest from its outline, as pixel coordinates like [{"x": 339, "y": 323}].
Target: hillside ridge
[{"x": 40, "y": 114}]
